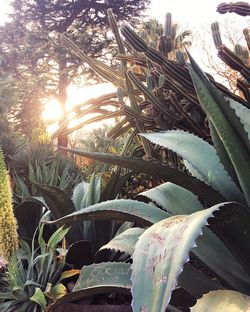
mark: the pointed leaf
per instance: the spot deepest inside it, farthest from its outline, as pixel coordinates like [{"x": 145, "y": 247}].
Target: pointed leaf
[
  {"x": 202, "y": 157},
  {"x": 60, "y": 204},
  {"x": 159, "y": 257},
  {"x": 56, "y": 238},
  {"x": 213, "y": 252},
  {"x": 201, "y": 283},
  {"x": 28, "y": 215},
  {"x": 125, "y": 242},
  {"x": 79, "y": 254},
  {"x": 114, "y": 186},
  {"x": 173, "y": 198},
  {"x": 57, "y": 200},
  {"x": 158, "y": 170},
  {"x": 120, "y": 209},
  {"x": 222, "y": 153},
  {"x": 79, "y": 191},
  {"x": 69, "y": 273},
  {"x": 243, "y": 113},
  {"x": 227, "y": 125},
  {"x": 231, "y": 225}
]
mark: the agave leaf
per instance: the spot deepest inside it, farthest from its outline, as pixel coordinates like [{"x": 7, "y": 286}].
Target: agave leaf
[
  {"x": 223, "y": 301},
  {"x": 213, "y": 252},
  {"x": 243, "y": 113},
  {"x": 125, "y": 242},
  {"x": 56, "y": 199},
  {"x": 229, "y": 245},
  {"x": 120, "y": 209},
  {"x": 158, "y": 170},
  {"x": 231, "y": 225},
  {"x": 93, "y": 194},
  {"x": 173, "y": 198},
  {"x": 200, "y": 285},
  {"x": 159, "y": 257},
  {"x": 73, "y": 258},
  {"x": 227, "y": 124},
  {"x": 100, "y": 279},
  {"x": 124, "y": 227},
  {"x": 78, "y": 194},
  {"x": 114, "y": 185},
  {"x": 28, "y": 215},
  {"x": 202, "y": 157},
  {"x": 222, "y": 153},
  {"x": 60, "y": 204}
]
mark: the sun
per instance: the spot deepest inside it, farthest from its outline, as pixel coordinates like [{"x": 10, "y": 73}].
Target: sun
[{"x": 53, "y": 112}]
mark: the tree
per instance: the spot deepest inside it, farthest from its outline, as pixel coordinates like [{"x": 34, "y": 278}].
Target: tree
[
  {"x": 33, "y": 52},
  {"x": 7, "y": 102}
]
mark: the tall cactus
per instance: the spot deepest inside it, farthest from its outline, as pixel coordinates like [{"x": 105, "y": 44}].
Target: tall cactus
[
  {"x": 8, "y": 225},
  {"x": 238, "y": 59},
  {"x": 165, "y": 38}
]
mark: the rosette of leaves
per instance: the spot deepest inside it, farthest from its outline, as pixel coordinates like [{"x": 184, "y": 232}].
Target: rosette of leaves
[
  {"x": 32, "y": 279},
  {"x": 40, "y": 163}
]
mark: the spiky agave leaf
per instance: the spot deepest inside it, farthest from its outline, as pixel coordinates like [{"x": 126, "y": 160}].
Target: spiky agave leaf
[
  {"x": 200, "y": 159},
  {"x": 226, "y": 123}
]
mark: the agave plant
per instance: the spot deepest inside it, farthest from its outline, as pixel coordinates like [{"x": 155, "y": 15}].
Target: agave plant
[
  {"x": 41, "y": 164},
  {"x": 205, "y": 215},
  {"x": 33, "y": 276}
]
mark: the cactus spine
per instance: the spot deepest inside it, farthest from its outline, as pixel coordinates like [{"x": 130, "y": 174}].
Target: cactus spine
[{"x": 8, "y": 225}]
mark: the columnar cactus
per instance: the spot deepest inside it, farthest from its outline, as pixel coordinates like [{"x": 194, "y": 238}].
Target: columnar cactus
[{"x": 8, "y": 225}]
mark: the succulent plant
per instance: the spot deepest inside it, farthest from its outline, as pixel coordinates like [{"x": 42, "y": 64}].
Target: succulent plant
[{"x": 8, "y": 224}]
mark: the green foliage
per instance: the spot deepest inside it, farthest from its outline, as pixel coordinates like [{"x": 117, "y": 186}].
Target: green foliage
[
  {"x": 40, "y": 163},
  {"x": 33, "y": 274}
]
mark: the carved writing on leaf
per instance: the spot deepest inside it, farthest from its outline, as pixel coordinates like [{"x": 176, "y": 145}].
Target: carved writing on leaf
[{"x": 98, "y": 275}]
